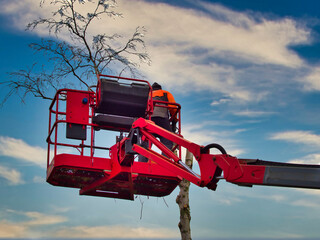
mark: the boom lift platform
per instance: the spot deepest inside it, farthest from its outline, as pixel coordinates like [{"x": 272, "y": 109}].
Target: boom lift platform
[{"x": 125, "y": 105}]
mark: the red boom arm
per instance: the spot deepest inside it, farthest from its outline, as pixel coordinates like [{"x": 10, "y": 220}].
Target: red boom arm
[{"x": 239, "y": 171}]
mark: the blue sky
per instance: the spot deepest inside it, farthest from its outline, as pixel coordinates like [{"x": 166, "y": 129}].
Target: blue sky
[{"x": 247, "y": 74}]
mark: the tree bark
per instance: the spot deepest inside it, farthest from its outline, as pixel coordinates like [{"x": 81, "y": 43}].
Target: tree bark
[{"x": 183, "y": 202}]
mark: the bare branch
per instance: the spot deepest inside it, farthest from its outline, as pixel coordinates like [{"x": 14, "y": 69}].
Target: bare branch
[
  {"x": 141, "y": 209},
  {"x": 23, "y": 82},
  {"x": 80, "y": 57}
]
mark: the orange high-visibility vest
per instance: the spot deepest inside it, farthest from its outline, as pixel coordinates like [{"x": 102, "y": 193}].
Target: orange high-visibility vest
[{"x": 166, "y": 96}]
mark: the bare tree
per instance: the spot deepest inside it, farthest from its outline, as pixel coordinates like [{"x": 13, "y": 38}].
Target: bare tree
[
  {"x": 74, "y": 58},
  {"x": 75, "y": 55}
]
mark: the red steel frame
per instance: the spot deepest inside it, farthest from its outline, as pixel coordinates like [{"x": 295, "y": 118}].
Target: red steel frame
[
  {"x": 245, "y": 172},
  {"x": 107, "y": 169},
  {"x": 55, "y": 110}
]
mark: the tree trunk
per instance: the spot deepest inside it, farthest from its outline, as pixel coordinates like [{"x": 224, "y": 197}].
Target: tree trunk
[{"x": 183, "y": 202}]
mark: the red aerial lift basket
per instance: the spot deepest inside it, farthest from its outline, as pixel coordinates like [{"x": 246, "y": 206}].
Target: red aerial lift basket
[
  {"x": 75, "y": 117},
  {"x": 125, "y": 105}
]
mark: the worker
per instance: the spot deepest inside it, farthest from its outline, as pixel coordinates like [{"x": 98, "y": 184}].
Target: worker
[{"x": 161, "y": 115}]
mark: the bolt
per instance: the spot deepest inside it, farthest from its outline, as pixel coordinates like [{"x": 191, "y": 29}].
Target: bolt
[{"x": 85, "y": 100}]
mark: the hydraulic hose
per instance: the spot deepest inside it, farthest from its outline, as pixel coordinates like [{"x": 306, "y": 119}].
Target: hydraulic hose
[{"x": 213, "y": 145}]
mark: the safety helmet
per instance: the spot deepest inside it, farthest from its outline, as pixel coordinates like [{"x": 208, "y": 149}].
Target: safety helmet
[{"x": 156, "y": 86}]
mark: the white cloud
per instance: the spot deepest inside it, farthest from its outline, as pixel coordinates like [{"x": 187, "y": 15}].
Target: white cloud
[
  {"x": 248, "y": 113},
  {"x": 199, "y": 135},
  {"x": 233, "y": 194},
  {"x": 19, "y": 149},
  {"x": 11, "y": 175},
  {"x": 32, "y": 229},
  {"x": 188, "y": 52},
  {"x": 265, "y": 41},
  {"x": 228, "y": 200},
  {"x": 37, "y": 218},
  {"x": 38, "y": 179},
  {"x": 43, "y": 219},
  {"x": 312, "y": 81},
  {"x": 309, "y": 203},
  {"x": 21, "y": 13},
  {"x": 220, "y": 101},
  {"x": 299, "y": 137},
  {"x": 29, "y": 228},
  {"x": 262, "y": 39},
  {"x": 12, "y": 230},
  {"x": 309, "y": 159},
  {"x": 58, "y": 209},
  {"x": 202, "y": 46},
  {"x": 115, "y": 232},
  {"x": 313, "y": 192}
]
